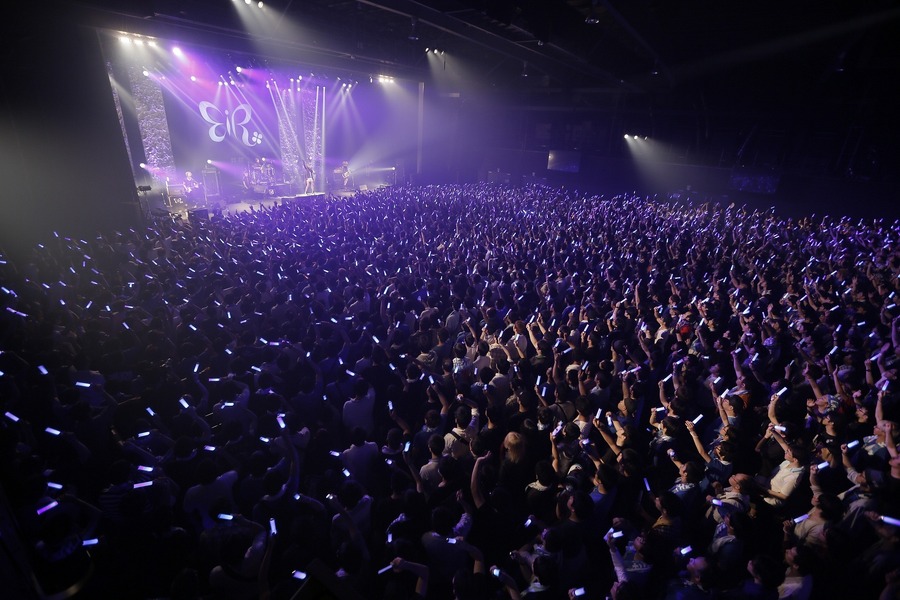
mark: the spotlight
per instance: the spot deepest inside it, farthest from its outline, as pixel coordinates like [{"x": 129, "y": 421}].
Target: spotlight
[
  {"x": 139, "y": 42},
  {"x": 299, "y": 77},
  {"x": 645, "y": 138},
  {"x": 177, "y": 52},
  {"x": 435, "y": 50},
  {"x": 209, "y": 161},
  {"x": 626, "y": 136},
  {"x": 426, "y": 49},
  {"x": 247, "y": 2},
  {"x": 238, "y": 69},
  {"x": 635, "y": 137},
  {"x": 143, "y": 165},
  {"x": 152, "y": 43},
  {"x": 146, "y": 73},
  {"x": 193, "y": 78},
  {"x": 125, "y": 39},
  {"x": 260, "y": 5}
]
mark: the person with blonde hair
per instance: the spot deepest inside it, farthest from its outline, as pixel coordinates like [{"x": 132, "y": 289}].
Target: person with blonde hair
[{"x": 515, "y": 471}]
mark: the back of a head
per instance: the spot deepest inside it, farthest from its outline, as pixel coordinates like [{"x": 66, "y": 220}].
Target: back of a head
[
  {"x": 206, "y": 472},
  {"x": 358, "y": 436},
  {"x": 694, "y": 471},
  {"x": 582, "y": 505},
  {"x": 432, "y": 419},
  {"x": 546, "y": 570},
  {"x": 436, "y": 444},
  {"x": 360, "y": 388},
  {"x": 462, "y": 416},
  {"x": 442, "y": 521},
  {"x": 768, "y": 570}
]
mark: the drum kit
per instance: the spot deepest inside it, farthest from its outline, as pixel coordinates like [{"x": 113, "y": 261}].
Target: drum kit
[{"x": 261, "y": 172}]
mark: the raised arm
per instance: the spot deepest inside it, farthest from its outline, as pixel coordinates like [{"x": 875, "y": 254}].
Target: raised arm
[
  {"x": 697, "y": 443},
  {"x": 475, "y": 484}
]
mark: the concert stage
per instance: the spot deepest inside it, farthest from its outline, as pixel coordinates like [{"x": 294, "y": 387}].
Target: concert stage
[{"x": 203, "y": 210}]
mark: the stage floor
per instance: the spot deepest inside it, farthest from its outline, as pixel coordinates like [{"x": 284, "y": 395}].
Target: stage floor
[{"x": 159, "y": 208}]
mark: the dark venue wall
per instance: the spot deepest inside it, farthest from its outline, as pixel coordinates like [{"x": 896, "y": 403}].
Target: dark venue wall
[{"x": 64, "y": 164}]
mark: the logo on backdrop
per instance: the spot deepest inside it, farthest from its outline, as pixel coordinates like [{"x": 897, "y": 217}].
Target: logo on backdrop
[{"x": 223, "y": 124}]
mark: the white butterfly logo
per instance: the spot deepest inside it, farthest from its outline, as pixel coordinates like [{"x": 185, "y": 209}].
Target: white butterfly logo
[{"x": 223, "y": 124}]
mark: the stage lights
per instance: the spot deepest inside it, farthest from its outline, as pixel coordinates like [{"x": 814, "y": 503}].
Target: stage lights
[{"x": 137, "y": 40}]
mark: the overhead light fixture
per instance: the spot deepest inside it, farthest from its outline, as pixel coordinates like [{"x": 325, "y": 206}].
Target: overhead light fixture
[{"x": 414, "y": 30}]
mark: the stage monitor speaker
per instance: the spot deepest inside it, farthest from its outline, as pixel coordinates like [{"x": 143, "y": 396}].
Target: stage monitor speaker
[
  {"x": 211, "y": 182},
  {"x": 198, "y": 214},
  {"x": 279, "y": 189}
]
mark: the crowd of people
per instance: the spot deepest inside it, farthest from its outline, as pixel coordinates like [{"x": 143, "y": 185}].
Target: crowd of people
[{"x": 461, "y": 392}]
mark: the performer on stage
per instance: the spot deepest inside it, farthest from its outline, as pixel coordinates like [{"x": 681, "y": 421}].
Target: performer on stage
[
  {"x": 310, "y": 179},
  {"x": 191, "y": 185},
  {"x": 346, "y": 175}
]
